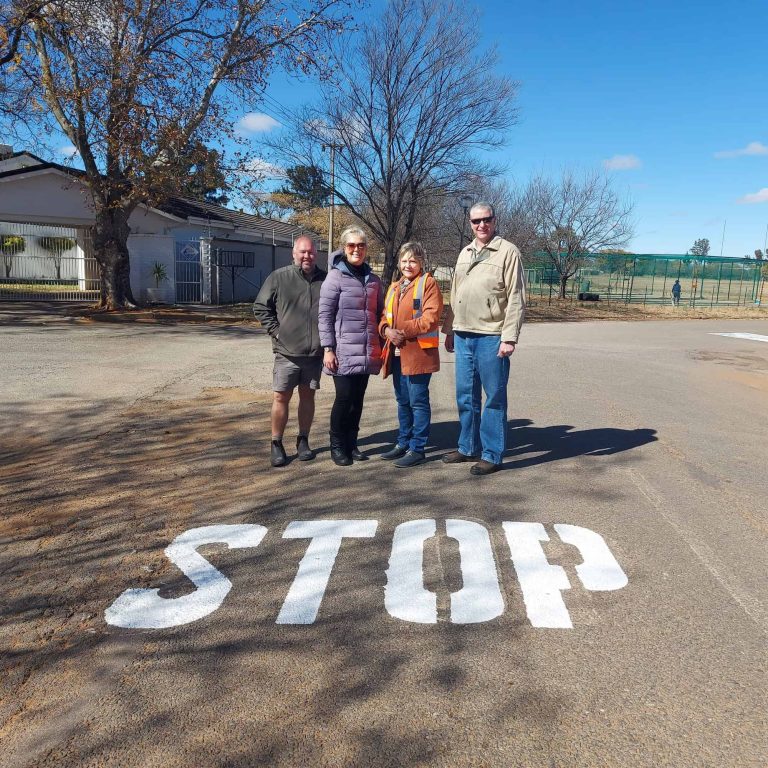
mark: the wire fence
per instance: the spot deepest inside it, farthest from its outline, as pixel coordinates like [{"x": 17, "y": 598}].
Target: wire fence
[{"x": 649, "y": 278}]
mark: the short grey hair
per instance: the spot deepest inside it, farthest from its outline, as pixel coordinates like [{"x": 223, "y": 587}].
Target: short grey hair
[
  {"x": 485, "y": 206},
  {"x": 349, "y": 232},
  {"x": 416, "y": 250}
]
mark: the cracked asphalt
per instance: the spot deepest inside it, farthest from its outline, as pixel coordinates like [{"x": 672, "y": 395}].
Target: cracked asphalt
[{"x": 116, "y": 439}]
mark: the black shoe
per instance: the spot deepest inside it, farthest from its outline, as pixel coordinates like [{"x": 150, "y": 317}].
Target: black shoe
[
  {"x": 358, "y": 455},
  {"x": 484, "y": 467},
  {"x": 340, "y": 458},
  {"x": 303, "y": 451},
  {"x": 456, "y": 457},
  {"x": 394, "y": 453},
  {"x": 411, "y": 459},
  {"x": 277, "y": 454}
]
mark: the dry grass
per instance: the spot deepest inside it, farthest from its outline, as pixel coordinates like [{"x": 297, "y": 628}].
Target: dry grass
[{"x": 544, "y": 311}]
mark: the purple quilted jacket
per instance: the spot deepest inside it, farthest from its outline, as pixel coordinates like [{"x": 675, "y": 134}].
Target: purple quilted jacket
[{"x": 348, "y": 316}]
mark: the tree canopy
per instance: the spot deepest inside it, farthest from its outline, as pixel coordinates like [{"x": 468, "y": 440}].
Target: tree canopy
[
  {"x": 700, "y": 247},
  {"x": 135, "y": 85}
]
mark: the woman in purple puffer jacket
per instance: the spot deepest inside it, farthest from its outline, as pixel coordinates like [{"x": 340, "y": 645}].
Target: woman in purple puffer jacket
[{"x": 351, "y": 303}]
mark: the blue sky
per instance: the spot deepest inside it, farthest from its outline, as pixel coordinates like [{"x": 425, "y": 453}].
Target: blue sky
[
  {"x": 674, "y": 94},
  {"x": 670, "y": 97}
]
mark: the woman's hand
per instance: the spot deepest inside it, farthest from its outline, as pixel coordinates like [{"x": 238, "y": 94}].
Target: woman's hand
[
  {"x": 395, "y": 336},
  {"x": 329, "y": 361}
]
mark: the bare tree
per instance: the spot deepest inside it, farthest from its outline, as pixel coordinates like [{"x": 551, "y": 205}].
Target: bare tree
[
  {"x": 576, "y": 216},
  {"x": 136, "y": 86},
  {"x": 408, "y": 107},
  {"x": 441, "y": 220}
]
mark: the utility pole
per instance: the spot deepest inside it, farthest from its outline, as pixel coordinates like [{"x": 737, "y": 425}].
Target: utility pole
[
  {"x": 722, "y": 242},
  {"x": 332, "y": 148}
]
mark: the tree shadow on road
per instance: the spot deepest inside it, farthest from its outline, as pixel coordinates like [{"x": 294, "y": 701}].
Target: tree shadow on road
[{"x": 93, "y": 493}]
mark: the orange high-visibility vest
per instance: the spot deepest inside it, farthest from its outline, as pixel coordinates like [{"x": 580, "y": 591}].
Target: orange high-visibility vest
[{"x": 428, "y": 340}]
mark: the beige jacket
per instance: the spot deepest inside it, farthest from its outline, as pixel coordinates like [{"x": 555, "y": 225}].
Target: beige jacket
[{"x": 489, "y": 296}]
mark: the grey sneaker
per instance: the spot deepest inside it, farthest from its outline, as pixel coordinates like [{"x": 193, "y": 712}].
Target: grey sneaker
[
  {"x": 411, "y": 459},
  {"x": 394, "y": 453}
]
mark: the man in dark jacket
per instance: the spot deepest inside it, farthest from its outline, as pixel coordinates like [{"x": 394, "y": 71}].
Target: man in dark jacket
[{"x": 286, "y": 307}]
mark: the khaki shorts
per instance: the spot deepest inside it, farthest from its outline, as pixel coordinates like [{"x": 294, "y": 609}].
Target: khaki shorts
[{"x": 290, "y": 372}]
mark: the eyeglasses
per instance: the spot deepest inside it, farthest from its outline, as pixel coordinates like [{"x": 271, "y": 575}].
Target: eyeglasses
[
  {"x": 355, "y": 246},
  {"x": 483, "y": 220}
]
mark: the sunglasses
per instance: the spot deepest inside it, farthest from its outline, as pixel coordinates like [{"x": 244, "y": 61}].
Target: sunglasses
[
  {"x": 354, "y": 246},
  {"x": 484, "y": 220}
]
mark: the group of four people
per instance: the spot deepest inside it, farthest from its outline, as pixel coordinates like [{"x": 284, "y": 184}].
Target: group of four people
[{"x": 344, "y": 323}]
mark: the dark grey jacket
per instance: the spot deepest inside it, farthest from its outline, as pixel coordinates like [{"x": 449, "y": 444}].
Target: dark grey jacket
[{"x": 287, "y": 306}]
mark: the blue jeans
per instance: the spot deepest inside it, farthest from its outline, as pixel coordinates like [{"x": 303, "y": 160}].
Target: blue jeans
[
  {"x": 478, "y": 368},
  {"x": 413, "y": 410}
]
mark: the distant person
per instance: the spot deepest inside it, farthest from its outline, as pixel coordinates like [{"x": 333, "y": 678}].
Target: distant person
[
  {"x": 351, "y": 303},
  {"x": 676, "y": 291},
  {"x": 483, "y": 326},
  {"x": 411, "y": 316},
  {"x": 287, "y": 307}
]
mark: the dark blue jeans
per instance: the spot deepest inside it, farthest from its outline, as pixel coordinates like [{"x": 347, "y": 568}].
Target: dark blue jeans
[
  {"x": 479, "y": 368},
  {"x": 413, "y": 410}
]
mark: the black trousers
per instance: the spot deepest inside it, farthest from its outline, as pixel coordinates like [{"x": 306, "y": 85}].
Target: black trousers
[{"x": 347, "y": 410}]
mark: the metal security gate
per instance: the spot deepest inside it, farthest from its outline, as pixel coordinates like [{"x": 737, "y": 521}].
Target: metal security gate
[
  {"x": 46, "y": 263},
  {"x": 189, "y": 273}
]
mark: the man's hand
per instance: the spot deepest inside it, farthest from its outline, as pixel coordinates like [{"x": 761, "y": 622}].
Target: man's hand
[
  {"x": 506, "y": 348},
  {"x": 330, "y": 361},
  {"x": 449, "y": 342}
]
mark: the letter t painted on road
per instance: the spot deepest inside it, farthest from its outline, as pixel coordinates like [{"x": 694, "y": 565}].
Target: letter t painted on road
[{"x": 306, "y": 593}]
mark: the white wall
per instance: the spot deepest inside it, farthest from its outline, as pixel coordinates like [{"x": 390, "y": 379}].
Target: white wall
[
  {"x": 145, "y": 251},
  {"x": 49, "y": 197}
]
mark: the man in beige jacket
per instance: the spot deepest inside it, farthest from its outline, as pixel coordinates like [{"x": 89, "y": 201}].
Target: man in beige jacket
[{"x": 483, "y": 326}]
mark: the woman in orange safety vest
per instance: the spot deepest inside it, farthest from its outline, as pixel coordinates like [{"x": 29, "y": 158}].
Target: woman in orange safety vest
[{"x": 409, "y": 323}]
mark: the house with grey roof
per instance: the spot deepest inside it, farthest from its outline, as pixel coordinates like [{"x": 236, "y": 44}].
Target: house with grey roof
[{"x": 181, "y": 250}]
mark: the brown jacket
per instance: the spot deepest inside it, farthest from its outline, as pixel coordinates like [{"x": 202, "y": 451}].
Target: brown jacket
[{"x": 413, "y": 359}]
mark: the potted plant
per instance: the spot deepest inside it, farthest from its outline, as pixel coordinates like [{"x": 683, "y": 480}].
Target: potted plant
[{"x": 159, "y": 274}]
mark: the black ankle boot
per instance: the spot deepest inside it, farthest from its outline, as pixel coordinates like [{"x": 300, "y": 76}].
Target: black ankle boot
[
  {"x": 340, "y": 457},
  {"x": 339, "y": 453}
]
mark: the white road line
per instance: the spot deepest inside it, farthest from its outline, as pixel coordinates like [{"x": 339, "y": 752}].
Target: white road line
[{"x": 748, "y": 336}]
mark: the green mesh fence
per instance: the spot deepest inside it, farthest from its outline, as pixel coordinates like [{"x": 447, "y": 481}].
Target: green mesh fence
[{"x": 648, "y": 279}]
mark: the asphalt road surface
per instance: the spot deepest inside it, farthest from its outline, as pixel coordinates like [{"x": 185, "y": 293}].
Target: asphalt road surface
[{"x": 602, "y": 601}]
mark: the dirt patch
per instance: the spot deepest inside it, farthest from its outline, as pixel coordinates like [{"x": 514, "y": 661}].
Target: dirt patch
[
  {"x": 543, "y": 311},
  {"x": 87, "y": 496},
  {"x": 540, "y": 310}
]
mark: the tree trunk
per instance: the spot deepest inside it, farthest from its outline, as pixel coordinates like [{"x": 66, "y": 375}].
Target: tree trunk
[
  {"x": 563, "y": 284},
  {"x": 110, "y": 245},
  {"x": 389, "y": 263}
]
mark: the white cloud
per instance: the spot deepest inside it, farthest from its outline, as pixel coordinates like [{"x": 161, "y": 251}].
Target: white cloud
[
  {"x": 68, "y": 151},
  {"x": 755, "y": 197},
  {"x": 622, "y": 163},
  {"x": 256, "y": 122},
  {"x": 261, "y": 169},
  {"x": 753, "y": 148}
]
